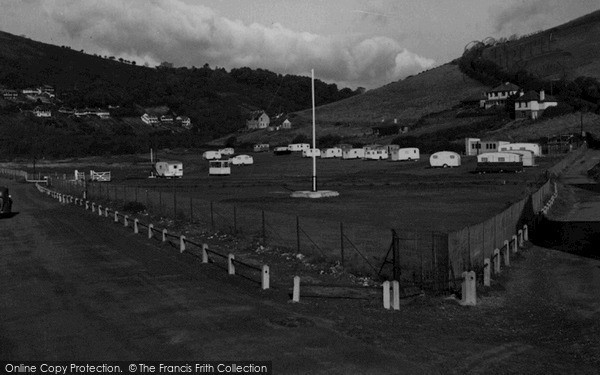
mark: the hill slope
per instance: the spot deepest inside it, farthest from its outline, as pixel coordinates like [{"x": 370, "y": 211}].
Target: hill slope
[{"x": 563, "y": 52}]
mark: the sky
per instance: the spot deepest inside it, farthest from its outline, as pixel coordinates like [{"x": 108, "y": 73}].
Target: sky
[{"x": 353, "y": 43}]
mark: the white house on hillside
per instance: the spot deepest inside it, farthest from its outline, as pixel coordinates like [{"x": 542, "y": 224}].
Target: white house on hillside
[
  {"x": 532, "y": 104},
  {"x": 149, "y": 119},
  {"x": 499, "y": 94},
  {"x": 258, "y": 120}
]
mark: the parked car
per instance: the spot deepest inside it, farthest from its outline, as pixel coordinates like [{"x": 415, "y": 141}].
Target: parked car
[{"x": 5, "y": 201}]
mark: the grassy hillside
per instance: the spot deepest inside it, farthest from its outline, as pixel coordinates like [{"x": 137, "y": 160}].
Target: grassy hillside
[{"x": 563, "y": 52}]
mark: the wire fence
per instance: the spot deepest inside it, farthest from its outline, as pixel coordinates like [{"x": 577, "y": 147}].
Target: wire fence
[{"x": 422, "y": 258}]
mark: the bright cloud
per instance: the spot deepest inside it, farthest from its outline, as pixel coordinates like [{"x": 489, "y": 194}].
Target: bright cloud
[{"x": 186, "y": 34}]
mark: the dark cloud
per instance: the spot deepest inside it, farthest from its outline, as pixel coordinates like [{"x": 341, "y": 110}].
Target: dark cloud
[{"x": 171, "y": 30}]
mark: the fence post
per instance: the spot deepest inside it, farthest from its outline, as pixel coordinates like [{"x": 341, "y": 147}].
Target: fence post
[
  {"x": 265, "y": 277},
  {"x": 514, "y": 241},
  {"x": 525, "y": 233},
  {"x": 181, "y": 244},
  {"x": 496, "y": 261},
  {"x": 136, "y": 229},
  {"x": 296, "y": 291},
  {"x": 487, "y": 272},
  {"x": 125, "y": 222},
  {"x": 106, "y": 212},
  {"x": 342, "y": 242},
  {"x": 386, "y": 295},
  {"x": 520, "y": 235},
  {"x": 298, "y": 233},
  {"x": 150, "y": 227},
  {"x": 230, "y": 265},
  {"x": 396, "y": 295},
  {"x": 204, "y": 253},
  {"x": 164, "y": 235},
  {"x": 506, "y": 253},
  {"x": 469, "y": 290},
  {"x": 116, "y": 216},
  {"x": 99, "y": 210}
]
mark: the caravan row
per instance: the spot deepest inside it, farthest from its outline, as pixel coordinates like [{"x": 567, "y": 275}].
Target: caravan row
[{"x": 365, "y": 153}]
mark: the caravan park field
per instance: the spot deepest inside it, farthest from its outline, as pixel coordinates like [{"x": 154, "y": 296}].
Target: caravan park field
[{"x": 408, "y": 196}]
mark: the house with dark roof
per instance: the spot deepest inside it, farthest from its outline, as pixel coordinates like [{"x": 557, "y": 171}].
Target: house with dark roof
[
  {"x": 499, "y": 94},
  {"x": 258, "y": 120},
  {"x": 532, "y": 105}
]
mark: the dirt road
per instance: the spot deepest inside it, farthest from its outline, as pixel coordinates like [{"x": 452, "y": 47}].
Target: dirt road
[{"x": 76, "y": 286}]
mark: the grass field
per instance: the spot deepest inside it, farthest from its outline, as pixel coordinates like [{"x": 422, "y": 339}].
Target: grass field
[{"x": 406, "y": 195}]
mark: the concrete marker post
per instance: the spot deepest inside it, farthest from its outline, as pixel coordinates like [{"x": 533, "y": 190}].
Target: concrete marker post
[
  {"x": 136, "y": 229},
  {"x": 496, "y": 261},
  {"x": 265, "y": 280},
  {"x": 230, "y": 265},
  {"x": 99, "y": 210},
  {"x": 125, "y": 221},
  {"x": 116, "y": 216},
  {"x": 395, "y": 295},
  {"x": 93, "y": 207},
  {"x": 296, "y": 291},
  {"x": 469, "y": 289},
  {"x": 507, "y": 254},
  {"x": 386, "y": 294},
  {"x": 87, "y": 205},
  {"x": 106, "y": 212},
  {"x": 487, "y": 272},
  {"x": 525, "y": 233},
  {"x": 181, "y": 243},
  {"x": 520, "y": 236},
  {"x": 164, "y": 235},
  {"x": 514, "y": 243},
  {"x": 204, "y": 253},
  {"x": 150, "y": 227}
]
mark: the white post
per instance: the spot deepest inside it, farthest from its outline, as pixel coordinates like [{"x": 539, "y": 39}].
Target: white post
[
  {"x": 116, "y": 216},
  {"x": 87, "y": 205},
  {"x": 99, "y": 210},
  {"x": 469, "y": 290},
  {"x": 314, "y": 145},
  {"x": 507, "y": 256},
  {"x": 265, "y": 277},
  {"x": 164, "y": 235},
  {"x": 204, "y": 253},
  {"x": 296, "y": 292},
  {"x": 93, "y": 207},
  {"x": 514, "y": 242},
  {"x": 125, "y": 222},
  {"x": 106, "y": 212},
  {"x": 386, "y": 295},
  {"x": 520, "y": 235},
  {"x": 150, "y": 227},
  {"x": 395, "y": 295},
  {"x": 525, "y": 233},
  {"x": 486, "y": 272},
  {"x": 181, "y": 243},
  {"x": 496, "y": 261},
  {"x": 136, "y": 229},
  {"x": 230, "y": 265}
]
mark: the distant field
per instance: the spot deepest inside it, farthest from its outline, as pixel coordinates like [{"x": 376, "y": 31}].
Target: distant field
[{"x": 406, "y": 195}]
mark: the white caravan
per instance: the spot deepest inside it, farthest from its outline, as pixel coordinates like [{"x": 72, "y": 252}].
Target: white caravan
[
  {"x": 533, "y": 147},
  {"x": 376, "y": 154},
  {"x": 298, "y": 147},
  {"x": 408, "y": 153},
  {"x": 311, "y": 152},
  {"x": 328, "y": 153},
  {"x": 211, "y": 155},
  {"x": 242, "y": 160},
  {"x": 227, "y": 151},
  {"x": 353, "y": 153},
  {"x": 219, "y": 168},
  {"x": 444, "y": 159},
  {"x": 169, "y": 169}
]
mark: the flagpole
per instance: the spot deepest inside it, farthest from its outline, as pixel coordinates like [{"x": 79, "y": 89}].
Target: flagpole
[{"x": 314, "y": 146}]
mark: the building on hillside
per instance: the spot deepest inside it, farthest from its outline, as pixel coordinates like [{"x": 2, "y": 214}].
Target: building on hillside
[
  {"x": 31, "y": 91},
  {"x": 9, "y": 94},
  {"x": 475, "y": 100},
  {"x": 258, "y": 120},
  {"x": 149, "y": 119},
  {"x": 42, "y": 112},
  {"x": 185, "y": 121},
  {"x": 532, "y": 105},
  {"x": 560, "y": 144},
  {"x": 166, "y": 118},
  {"x": 66, "y": 110},
  {"x": 475, "y": 146},
  {"x": 499, "y": 94}
]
